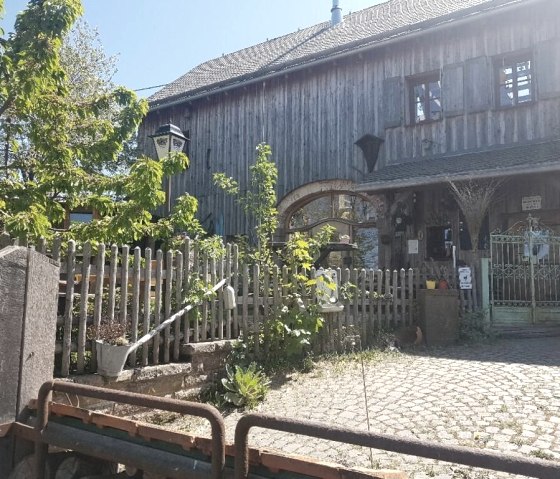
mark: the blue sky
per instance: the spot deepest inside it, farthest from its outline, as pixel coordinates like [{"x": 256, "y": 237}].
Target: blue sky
[{"x": 159, "y": 40}]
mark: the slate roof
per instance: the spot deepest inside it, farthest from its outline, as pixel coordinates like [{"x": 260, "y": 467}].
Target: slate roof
[
  {"x": 505, "y": 161},
  {"x": 364, "y": 28}
]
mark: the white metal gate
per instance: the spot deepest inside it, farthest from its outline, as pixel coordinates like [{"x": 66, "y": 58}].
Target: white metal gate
[{"x": 525, "y": 275}]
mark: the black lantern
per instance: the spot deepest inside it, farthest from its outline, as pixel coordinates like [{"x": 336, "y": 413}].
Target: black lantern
[{"x": 168, "y": 138}]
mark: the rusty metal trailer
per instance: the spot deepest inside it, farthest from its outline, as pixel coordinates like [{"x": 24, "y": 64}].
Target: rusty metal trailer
[{"x": 63, "y": 435}]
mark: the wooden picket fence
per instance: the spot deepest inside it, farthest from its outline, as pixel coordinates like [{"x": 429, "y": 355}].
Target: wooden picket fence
[{"x": 95, "y": 287}]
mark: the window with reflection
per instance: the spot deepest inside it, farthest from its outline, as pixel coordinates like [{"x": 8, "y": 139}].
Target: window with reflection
[
  {"x": 425, "y": 95},
  {"x": 514, "y": 81}
]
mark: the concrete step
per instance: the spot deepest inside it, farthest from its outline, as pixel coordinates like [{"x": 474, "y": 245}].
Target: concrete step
[{"x": 535, "y": 331}]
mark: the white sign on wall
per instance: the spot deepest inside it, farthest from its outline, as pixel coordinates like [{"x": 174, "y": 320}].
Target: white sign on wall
[
  {"x": 531, "y": 203},
  {"x": 465, "y": 278},
  {"x": 413, "y": 246}
]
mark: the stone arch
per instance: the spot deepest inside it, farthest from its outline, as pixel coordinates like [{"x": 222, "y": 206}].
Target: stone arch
[{"x": 302, "y": 195}]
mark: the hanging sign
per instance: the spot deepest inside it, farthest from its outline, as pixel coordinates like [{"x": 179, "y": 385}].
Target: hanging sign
[
  {"x": 465, "y": 278},
  {"x": 531, "y": 203},
  {"x": 413, "y": 246}
]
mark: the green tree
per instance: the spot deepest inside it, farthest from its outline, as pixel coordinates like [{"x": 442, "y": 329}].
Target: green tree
[
  {"x": 66, "y": 124},
  {"x": 260, "y": 200}
]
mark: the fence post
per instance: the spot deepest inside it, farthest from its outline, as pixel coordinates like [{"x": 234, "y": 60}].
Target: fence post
[
  {"x": 28, "y": 297},
  {"x": 485, "y": 288},
  {"x": 68, "y": 309}
]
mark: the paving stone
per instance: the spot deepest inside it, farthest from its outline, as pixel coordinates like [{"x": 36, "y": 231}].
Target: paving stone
[{"x": 503, "y": 397}]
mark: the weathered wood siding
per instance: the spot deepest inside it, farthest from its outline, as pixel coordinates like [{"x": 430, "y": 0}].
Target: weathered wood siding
[{"x": 313, "y": 118}]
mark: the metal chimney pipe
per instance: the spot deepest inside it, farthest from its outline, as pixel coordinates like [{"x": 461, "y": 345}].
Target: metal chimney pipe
[{"x": 336, "y": 13}]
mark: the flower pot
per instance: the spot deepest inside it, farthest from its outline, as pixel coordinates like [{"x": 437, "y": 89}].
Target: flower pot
[
  {"x": 430, "y": 284},
  {"x": 111, "y": 358}
]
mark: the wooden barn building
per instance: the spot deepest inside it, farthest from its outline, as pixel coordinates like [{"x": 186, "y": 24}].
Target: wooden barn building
[{"x": 370, "y": 115}]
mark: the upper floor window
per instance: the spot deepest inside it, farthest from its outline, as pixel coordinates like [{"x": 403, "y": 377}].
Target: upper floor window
[
  {"x": 425, "y": 95},
  {"x": 514, "y": 80}
]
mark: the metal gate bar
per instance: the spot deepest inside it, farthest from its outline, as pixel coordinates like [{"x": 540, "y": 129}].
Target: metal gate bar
[
  {"x": 173, "y": 405},
  {"x": 460, "y": 455}
]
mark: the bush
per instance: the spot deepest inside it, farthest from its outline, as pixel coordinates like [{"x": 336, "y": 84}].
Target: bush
[
  {"x": 245, "y": 387},
  {"x": 473, "y": 326}
]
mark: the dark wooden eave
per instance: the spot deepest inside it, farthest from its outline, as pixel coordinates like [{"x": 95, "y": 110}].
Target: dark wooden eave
[{"x": 528, "y": 158}]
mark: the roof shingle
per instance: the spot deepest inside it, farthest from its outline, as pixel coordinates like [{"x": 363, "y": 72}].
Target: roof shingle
[{"x": 368, "y": 26}]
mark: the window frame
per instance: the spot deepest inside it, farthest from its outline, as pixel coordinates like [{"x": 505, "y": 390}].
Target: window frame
[
  {"x": 513, "y": 60},
  {"x": 424, "y": 80}
]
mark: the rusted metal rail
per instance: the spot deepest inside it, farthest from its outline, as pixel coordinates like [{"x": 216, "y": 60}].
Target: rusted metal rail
[
  {"x": 181, "y": 407},
  {"x": 460, "y": 455}
]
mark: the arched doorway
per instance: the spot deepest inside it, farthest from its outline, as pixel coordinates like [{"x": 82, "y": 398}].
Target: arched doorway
[{"x": 353, "y": 215}]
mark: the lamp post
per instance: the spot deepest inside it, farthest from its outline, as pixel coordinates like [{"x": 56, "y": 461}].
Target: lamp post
[{"x": 168, "y": 138}]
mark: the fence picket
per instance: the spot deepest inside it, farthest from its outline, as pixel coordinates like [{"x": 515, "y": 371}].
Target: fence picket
[
  {"x": 245, "y": 301},
  {"x": 147, "y": 303},
  {"x": 256, "y": 307},
  {"x": 157, "y": 305},
  {"x": 235, "y": 268},
  {"x": 135, "y": 303},
  {"x": 68, "y": 309},
  {"x": 84, "y": 296},
  {"x": 112, "y": 283},
  {"x": 205, "y": 304},
  {"x": 179, "y": 304},
  {"x": 124, "y": 285},
  {"x": 220, "y": 296},
  {"x": 258, "y": 291},
  {"x": 167, "y": 305},
  {"x": 98, "y": 302}
]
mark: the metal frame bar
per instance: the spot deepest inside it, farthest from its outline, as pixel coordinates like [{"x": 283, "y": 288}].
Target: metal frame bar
[
  {"x": 460, "y": 455},
  {"x": 173, "y": 405}
]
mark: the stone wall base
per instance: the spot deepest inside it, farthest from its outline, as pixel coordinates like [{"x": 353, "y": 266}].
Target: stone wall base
[{"x": 177, "y": 380}]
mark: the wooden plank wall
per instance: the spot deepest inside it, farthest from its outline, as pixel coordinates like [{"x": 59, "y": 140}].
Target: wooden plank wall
[{"x": 313, "y": 118}]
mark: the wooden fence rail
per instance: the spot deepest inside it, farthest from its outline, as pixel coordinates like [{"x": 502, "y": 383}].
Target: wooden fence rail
[{"x": 140, "y": 289}]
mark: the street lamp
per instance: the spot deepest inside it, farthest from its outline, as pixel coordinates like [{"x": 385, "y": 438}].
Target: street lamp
[{"x": 168, "y": 138}]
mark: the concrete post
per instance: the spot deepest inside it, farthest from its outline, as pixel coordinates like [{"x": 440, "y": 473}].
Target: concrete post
[{"x": 28, "y": 307}]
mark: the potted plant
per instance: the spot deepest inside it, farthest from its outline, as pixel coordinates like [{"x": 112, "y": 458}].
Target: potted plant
[{"x": 112, "y": 347}]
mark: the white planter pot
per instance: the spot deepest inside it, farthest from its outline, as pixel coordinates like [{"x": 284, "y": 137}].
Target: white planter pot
[{"x": 110, "y": 358}]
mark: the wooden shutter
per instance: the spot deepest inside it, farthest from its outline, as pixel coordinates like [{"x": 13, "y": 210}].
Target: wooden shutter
[
  {"x": 547, "y": 67},
  {"x": 478, "y": 84},
  {"x": 393, "y": 101},
  {"x": 452, "y": 90}
]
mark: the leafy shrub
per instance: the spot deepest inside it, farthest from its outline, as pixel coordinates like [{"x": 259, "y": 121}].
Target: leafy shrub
[
  {"x": 245, "y": 387},
  {"x": 473, "y": 326}
]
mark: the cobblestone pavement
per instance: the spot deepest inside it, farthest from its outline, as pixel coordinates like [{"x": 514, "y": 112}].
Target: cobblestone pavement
[{"x": 503, "y": 396}]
